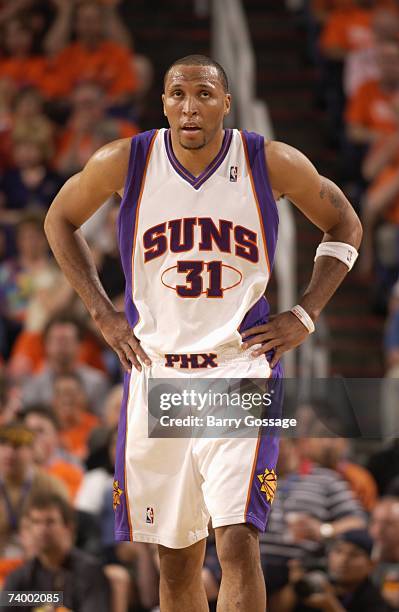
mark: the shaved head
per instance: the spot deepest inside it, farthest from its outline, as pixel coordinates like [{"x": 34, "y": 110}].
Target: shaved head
[{"x": 200, "y": 60}]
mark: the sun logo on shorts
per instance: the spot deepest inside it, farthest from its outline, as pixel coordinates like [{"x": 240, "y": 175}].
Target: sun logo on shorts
[
  {"x": 117, "y": 494},
  {"x": 269, "y": 483}
]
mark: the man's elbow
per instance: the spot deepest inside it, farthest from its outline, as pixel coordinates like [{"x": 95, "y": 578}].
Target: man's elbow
[
  {"x": 48, "y": 224},
  {"x": 357, "y": 232}
]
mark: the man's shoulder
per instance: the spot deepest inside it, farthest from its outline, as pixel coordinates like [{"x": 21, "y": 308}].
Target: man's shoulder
[{"x": 21, "y": 578}]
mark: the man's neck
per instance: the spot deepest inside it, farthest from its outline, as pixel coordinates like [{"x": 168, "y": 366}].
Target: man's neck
[
  {"x": 17, "y": 479},
  {"x": 53, "y": 560},
  {"x": 91, "y": 44},
  {"x": 61, "y": 368},
  {"x": 196, "y": 160}
]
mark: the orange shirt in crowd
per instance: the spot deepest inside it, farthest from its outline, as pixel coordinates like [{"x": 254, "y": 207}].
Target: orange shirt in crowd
[
  {"x": 86, "y": 144},
  {"x": 385, "y": 177},
  {"x": 371, "y": 107},
  {"x": 29, "y": 347},
  {"x": 24, "y": 72},
  {"x": 361, "y": 483},
  {"x": 347, "y": 30},
  {"x": 327, "y": 6},
  {"x": 71, "y": 475},
  {"x": 74, "y": 439},
  {"x": 110, "y": 65},
  {"x": 9, "y": 565}
]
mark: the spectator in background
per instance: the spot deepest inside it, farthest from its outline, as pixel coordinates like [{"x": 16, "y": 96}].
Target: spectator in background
[
  {"x": 32, "y": 183},
  {"x": 362, "y": 65},
  {"x": 347, "y": 29},
  {"x": 322, "y": 9},
  {"x": 332, "y": 453},
  {"x": 384, "y": 528},
  {"x": 62, "y": 337},
  {"x": 88, "y": 129},
  {"x": 47, "y": 451},
  {"x": 308, "y": 509},
  {"x": 20, "y": 63},
  {"x": 30, "y": 121},
  {"x": 346, "y": 586},
  {"x": 93, "y": 56},
  {"x": 380, "y": 214},
  {"x": 26, "y": 277},
  {"x": 19, "y": 478},
  {"x": 372, "y": 111},
  {"x": 71, "y": 409},
  {"x": 57, "y": 564}
]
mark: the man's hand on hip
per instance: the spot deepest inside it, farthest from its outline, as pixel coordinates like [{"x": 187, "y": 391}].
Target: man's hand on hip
[
  {"x": 282, "y": 333},
  {"x": 119, "y": 335}
]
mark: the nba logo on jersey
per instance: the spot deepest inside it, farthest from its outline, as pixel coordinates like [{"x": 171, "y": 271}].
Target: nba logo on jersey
[
  {"x": 233, "y": 174},
  {"x": 150, "y": 515}
]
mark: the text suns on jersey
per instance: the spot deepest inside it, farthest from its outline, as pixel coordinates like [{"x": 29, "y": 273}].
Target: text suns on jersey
[{"x": 209, "y": 278}]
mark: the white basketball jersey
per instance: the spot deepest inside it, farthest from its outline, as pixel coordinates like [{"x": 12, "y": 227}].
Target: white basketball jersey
[{"x": 197, "y": 251}]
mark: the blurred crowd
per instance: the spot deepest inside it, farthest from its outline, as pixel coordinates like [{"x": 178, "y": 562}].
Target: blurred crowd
[
  {"x": 70, "y": 81},
  {"x": 354, "y": 45}
]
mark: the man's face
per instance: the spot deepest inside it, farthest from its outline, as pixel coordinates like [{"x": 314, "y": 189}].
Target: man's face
[
  {"x": 62, "y": 344},
  {"x": 48, "y": 530},
  {"x": 348, "y": 564},
  {"x": 384, "y": 527},
  {"x": 326, "y": 451},
  {"x": 68, "y": 400},
  {"x": 89, "y": 23},
  {"x": 14, "y": 460},
  {"x": 46, "y": 437},
  {"x": 18, "y": 39},
  {"x": 195, "y": 104},
  {"x": 31, "y": 241}
]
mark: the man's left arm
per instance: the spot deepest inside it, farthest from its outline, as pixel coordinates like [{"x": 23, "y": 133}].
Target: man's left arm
[{"x": 292, "y": 175}]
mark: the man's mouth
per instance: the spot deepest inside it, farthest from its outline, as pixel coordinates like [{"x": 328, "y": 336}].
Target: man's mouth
[{"x": 191, "y": 128}]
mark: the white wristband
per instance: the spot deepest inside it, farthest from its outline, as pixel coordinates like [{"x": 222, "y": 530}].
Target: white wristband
[
  {"x": 340, "y": 250},
  {"x": 304, "y": 318}
]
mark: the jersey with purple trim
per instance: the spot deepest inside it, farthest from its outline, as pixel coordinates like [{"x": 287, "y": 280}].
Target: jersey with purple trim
[{"x": 197, "y": 252}]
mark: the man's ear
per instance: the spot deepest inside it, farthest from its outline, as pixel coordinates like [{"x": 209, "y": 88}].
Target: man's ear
[
  {"x": 227, "y": 104},
  {"x": 163, "y": 104}
]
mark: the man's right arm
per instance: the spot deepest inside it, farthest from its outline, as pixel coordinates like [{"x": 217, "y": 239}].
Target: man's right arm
[{"x": 85, "y": 192}]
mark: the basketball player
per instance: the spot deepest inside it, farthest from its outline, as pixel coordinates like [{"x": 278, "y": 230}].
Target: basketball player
[{"x": 197, "y": 232}]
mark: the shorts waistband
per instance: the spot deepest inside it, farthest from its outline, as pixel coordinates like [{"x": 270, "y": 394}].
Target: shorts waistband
[{"x": 220, "y": 355}]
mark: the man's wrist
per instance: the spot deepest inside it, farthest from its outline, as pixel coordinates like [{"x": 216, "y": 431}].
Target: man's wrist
[
  {"x": 311, "y": 310},
  {"x": 99, "y": 312}
]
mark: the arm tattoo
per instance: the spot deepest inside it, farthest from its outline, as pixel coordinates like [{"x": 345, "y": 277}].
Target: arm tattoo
[{"x": 334, "y": 198}]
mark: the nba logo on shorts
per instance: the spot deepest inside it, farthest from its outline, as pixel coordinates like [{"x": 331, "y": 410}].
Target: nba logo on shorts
[
  {"x": 233, "y": 174},
  {"x": 150, "y": 515}
]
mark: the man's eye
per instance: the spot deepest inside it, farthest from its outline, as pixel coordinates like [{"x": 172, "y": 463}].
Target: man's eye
[
  {"x": 205, "y": 94},
  {"x": 177, "y": 93}
]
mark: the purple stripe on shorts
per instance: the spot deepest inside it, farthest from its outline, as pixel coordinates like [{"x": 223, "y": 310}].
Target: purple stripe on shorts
[
  {"x": 259, "y": 506},
  {"x": 127, "y": 214},
  {"x": 268, "y": 207},
  {"x": 122, "y": 519}
]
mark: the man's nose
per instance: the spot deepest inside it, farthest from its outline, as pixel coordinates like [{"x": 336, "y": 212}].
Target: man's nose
[{"x": 190, "y": 105}]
